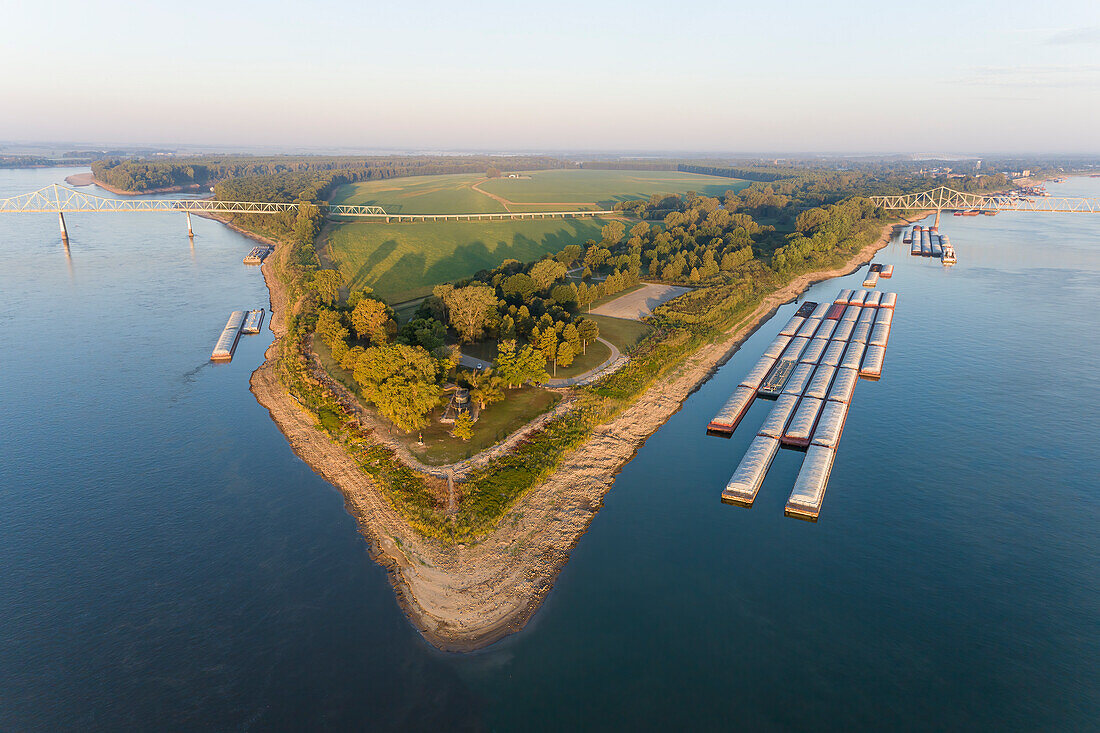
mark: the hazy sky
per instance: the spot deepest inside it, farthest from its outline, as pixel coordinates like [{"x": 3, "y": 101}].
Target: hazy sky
[{"x": 719, "y": 76}]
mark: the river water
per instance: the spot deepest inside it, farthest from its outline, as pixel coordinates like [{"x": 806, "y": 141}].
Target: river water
[{"x": 166, "y": 560}]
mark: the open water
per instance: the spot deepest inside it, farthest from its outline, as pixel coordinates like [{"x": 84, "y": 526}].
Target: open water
[{"x": 166, "y": 561}]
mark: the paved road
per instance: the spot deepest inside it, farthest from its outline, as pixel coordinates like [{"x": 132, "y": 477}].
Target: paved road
[
  {"x": 472, "y": 363},
  {"x": 612, "y": 360}
]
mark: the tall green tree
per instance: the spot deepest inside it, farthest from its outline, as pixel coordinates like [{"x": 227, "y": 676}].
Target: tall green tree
[
  {"x": 400, "y": 381},
  {"x": 588, "y": 331},
  {"x": 371, "y": 319},
  {"x": 469, "y": 309},
  {"x": 517, "y": 366}
]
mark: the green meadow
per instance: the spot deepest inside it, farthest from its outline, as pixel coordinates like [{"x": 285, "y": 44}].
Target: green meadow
[
  {"x": 603, "y": 188},
  {"x": 404, "y": 261}
]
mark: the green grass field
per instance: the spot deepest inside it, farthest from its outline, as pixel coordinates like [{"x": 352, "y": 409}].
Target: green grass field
[
  {"x": 622, "y": 332},
  {"x": 534, "y": 191},
  {"x": 447, "y": 194},
  {"x": 603, "y": 187},
  {"x": 404, "y": 261}
]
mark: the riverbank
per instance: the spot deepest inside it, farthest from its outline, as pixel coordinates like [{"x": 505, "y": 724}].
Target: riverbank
[
  {"x": 465, "y": 597},
  {"x": 89, "y": 179}
]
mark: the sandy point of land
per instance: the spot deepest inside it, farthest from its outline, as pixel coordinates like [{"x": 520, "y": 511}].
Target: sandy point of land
[
  {"x": 80, "y": 179},
  {"x": 467, "y": 597}
]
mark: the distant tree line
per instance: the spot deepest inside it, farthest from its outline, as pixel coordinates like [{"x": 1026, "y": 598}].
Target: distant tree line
[{"x": 142, "y": 175}]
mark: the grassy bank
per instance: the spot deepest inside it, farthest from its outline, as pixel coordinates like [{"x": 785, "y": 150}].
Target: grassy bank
[
  {"x": 678, "y": 329},
  {"x": 404, "y": 261}
]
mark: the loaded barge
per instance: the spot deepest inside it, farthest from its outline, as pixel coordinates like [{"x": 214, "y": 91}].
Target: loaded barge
[
  {"x": 811, "y": 370},
  {"x": 227, "y": 342}
]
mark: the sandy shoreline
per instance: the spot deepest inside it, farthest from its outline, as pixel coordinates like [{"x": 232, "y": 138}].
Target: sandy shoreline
[
  {"x": 467, "y": 597},
  {"x": 88, "y": 179}
]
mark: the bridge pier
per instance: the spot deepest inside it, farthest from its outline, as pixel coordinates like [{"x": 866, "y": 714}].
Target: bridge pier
[
  {"x": 190, "y": 231},
  {"x": 937, "y": 224},
  {"x": 64, "y": 231}
]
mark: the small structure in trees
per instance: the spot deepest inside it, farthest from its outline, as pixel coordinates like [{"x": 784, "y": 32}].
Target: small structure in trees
[{"x": 460, "y": 404}]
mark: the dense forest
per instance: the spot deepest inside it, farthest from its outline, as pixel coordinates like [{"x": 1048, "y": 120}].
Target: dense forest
[{"x": 143, "y": 175}]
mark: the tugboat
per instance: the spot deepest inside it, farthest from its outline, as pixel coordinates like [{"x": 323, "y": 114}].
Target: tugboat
[{"x": 948, "y": 256}]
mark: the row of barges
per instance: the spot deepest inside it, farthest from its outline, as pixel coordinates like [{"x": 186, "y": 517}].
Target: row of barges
[
  {"x": 239, "y": 322},
  {"x": 930, "y": 243},
  {"x": 810, "y": 369}
]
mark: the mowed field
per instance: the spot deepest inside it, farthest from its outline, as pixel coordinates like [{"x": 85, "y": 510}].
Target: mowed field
[
  {"x": 581, "y": 189},
  {"x": 550, "y": 190},
  {"x": 404, "y": 261},
  {"x": 448, "y": 194}
]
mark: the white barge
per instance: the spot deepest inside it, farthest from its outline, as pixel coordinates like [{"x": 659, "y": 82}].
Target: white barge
[
  {"x": 809, "y": 488},
  {"x": 746, "y": 480},
  {"x": 227, "y": 342}
]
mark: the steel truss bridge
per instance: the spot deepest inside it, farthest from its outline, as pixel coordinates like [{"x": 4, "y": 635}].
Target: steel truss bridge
[
  {"x": 58, "y": 199},
  {"x": 948, "y": 199}
]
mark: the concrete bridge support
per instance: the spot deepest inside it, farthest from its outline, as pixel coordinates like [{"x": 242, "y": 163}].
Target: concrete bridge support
[
  {"x": 190, "y": 231},
  {"x": 64, "y": 231}
]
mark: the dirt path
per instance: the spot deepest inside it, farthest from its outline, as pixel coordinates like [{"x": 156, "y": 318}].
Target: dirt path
[
  {"x": 507, "y": 204},
  {"x": 466, "y": 597}
]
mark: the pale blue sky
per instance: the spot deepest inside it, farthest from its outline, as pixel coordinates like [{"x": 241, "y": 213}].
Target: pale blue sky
[{"x": 763, "y": 76}]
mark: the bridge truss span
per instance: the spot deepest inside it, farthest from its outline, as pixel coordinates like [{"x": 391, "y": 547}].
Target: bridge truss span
[{"x": 948, "y": 199}]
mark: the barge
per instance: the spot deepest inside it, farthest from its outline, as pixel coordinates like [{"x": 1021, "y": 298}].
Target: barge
[
  {"x": 746, "y": 480},
  {"x": 775, "y": 382},
  {"x": 258, "y": 255},
  {"x": 253, "y": 321},
  {"x": 801, "y": 427},
  {"x": 799, "y": 378},
  {"x": 806, "y": 309},
  {"x": 227, "y": 342},
  {"x": 872, "y": 362},
  {"x": 727, "y": 418},
  {"x": 775, "y": 424},
  {"x": 830, "y": 426},
  {"x": 836, "y": 310},
  {"x": 809, "y": 488}
]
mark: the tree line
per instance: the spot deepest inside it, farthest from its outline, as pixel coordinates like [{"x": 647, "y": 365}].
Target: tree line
[{"x": 145, "y": 174}]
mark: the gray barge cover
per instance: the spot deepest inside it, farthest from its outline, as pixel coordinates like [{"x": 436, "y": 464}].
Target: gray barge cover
[
  {"x": 843, "y": 330},
  {"x": 731, "y": 412},
  {"x": 809, "y": 327},
  {"x": 746, "y": 480},
  {"x": 844, "y": 384},
  {"x": 872, "y": 362},
  {"x": 809, "y": 488},
  {"x": 775, "y": 348},
  {"x": 818, "y": 388},
  {"x": 799, "y": 378},
  {"x": 853, "y": 357},
  {"x": 803, "y": 421},
  {"x": 831, "y": 424},
  {"x": 880, "y": 336},
  {"x": 758, "y": 372},
  {"x": 834, "y": 353},
  {"x": 775, "y": 424},
  {"x": 792, "y": 326},
  {"x": 812, "y": 353},
  {"x": 795, "y": 348}
]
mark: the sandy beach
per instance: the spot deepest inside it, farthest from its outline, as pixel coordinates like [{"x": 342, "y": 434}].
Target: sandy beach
[{"x": 466, "y": 597}]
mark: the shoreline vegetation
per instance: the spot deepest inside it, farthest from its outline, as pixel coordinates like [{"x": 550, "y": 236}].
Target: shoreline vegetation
[
  {"x": 472, "y": 589},
  {"x": 467, "y": 596},
  {"x": 472, "y": 555}
]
